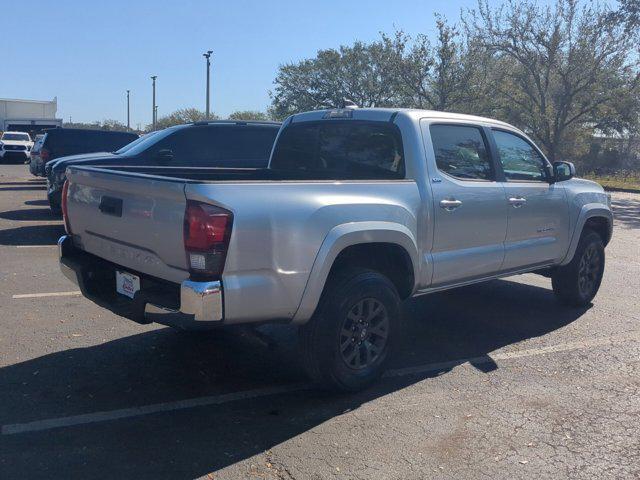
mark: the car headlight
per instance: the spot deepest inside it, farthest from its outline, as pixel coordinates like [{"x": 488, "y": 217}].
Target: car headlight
[{"x": 609, "y": 200}]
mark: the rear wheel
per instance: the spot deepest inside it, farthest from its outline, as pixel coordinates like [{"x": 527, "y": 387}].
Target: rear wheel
[
  {"x": 577, "y": 283},
  {"x": 346, "y": 344}
]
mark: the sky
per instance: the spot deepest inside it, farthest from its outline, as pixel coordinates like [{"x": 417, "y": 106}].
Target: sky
[{"x": 88, "y": 53}]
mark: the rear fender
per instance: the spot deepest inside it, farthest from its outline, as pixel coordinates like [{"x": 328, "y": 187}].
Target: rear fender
[{"x": 341, "y": 237}]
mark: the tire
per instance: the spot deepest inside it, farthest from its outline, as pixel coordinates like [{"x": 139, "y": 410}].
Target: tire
[
  {"x": 577, "y": 283},
  {"x": 347, "y": 342}
]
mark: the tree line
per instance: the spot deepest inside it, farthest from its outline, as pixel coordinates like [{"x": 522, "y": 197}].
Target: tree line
[{"x": 564, "y": 73}]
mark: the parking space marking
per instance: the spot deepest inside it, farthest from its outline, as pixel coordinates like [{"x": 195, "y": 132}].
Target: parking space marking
[
  {"x": 53, "y": 245},
  {"x": 105, "y": 416},
  {"x": 149, "y": 409},
  {"x": 51, "y": 294},
  {"x": 529, "y": 352},
  {"x": 123, "y": 413}
]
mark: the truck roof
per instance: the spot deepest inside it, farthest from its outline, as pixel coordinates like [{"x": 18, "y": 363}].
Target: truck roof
[{"x": 385, "y": 114}]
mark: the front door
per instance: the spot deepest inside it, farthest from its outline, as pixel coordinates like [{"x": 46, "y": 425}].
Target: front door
[
  {"x": 470, "y": 209},
  {"x": 538, "y": 218}
]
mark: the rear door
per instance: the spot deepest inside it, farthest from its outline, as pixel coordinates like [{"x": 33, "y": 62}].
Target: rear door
[
  {"x": 469, "y": 203},
  {"x": 538, "y": 218}
]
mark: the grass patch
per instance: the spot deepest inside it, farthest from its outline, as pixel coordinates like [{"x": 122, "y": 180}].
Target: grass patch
[{"x": 619, "y": 181}]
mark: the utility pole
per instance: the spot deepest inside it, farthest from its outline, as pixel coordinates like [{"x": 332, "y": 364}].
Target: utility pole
[
  {"x": 208, "y": 57},
  {"x": 128, "y": 113},
  {"x": 154, "y": 109}
]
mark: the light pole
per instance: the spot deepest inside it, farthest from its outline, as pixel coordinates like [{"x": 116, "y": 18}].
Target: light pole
[
  {"x": 153, "y": 111},
  {"x": 128, "y": 113},
  {"x": 208, "y": 57}
]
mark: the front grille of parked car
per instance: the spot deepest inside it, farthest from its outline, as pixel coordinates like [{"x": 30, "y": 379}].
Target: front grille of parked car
[{"x": 15, "y": 147}]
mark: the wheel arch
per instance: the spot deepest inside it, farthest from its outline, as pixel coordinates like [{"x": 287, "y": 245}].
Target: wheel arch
[
  {"x": 356, "y": 241},
  {"x": 596, "y": 217}
]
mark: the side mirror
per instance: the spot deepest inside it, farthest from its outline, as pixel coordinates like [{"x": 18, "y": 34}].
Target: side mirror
[
  {"x": 164, "y": 156},
  {"x": 563, "y": 171}
]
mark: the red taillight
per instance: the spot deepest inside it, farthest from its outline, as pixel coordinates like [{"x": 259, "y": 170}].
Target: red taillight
[
  {"x": 63, "y": 205},
  {"x": 207, "y": 230},
  {"x": 44, "y": 155}
]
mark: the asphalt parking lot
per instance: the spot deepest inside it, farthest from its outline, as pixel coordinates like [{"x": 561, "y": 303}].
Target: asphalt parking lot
[{"x": 496, "y": 380}]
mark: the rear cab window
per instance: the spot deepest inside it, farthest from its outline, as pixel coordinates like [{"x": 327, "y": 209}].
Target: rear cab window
[{"x": 341, "y": 149}]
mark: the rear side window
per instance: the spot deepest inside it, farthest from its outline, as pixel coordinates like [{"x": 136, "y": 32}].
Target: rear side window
[
  {"x": 461, "y": 151},
  {"x": 341, "y": 150}
]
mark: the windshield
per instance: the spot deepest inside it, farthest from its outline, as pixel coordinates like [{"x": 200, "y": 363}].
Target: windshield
[
  {"x": 20, "y": 137},
  {"x": 141, "y": 144}
]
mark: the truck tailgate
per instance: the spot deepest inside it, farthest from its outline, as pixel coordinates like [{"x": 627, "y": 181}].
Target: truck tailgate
[{"x": 130, "y": 220}]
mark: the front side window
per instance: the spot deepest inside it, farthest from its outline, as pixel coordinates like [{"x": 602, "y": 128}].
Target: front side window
[
  {"x": 520, "y": 160},
  {"x": 461, "y": 152},
  {"x": 348, "y": 149}
]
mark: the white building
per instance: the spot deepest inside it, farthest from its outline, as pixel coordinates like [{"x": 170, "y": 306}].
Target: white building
[{"x": 28, "y": 115}]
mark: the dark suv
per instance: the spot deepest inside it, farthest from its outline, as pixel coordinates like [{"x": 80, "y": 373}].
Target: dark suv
[
  {"x": 62, "y": 142},
  {"x": 237, "y": 144}
]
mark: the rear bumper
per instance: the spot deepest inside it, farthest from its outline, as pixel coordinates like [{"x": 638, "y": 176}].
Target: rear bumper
[{"x": 190, "y": 305}]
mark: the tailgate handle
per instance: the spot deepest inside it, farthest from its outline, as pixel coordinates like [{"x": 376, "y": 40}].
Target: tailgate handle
[{"x": 111, "y": 206}]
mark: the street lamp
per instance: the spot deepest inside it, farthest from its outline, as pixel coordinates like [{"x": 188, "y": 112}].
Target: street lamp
[
  {"x": 154, "y": 109},
  {"x": 128, "y": 113},
  {"x": 208, "y": 57}
]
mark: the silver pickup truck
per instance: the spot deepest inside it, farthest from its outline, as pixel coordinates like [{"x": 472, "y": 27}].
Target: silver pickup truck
[{"x": 358, "y": 210}]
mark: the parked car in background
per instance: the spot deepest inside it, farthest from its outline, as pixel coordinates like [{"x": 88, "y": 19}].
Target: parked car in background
[
  {"x": 61, "y": 142},
  {"x": 15, "y": 146},
  {"x": 221, "y": 143},
  {"x": 35, "y": 152},
  {"x": 357, "y": 211}
]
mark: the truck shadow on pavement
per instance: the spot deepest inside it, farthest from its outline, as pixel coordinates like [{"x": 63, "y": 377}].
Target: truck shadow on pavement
[
  {"x": 32, "y": 235},
  {"x": 29, "y": 214},
  {"x": 162, "y": 365}
]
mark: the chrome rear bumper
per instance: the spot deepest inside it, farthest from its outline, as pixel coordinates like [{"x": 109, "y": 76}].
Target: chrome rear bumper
[{"x": 199, "y": 302}]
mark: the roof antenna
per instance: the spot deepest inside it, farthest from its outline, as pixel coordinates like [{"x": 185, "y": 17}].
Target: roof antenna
[{"x": 346, "y": 103}]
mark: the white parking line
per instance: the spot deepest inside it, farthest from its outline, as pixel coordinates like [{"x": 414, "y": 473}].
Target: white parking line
[
  {"x": 36, "y": 246},
  {"x": 149, "y": 409},
  {"x": 105, "y": 416},
  {"x": 51, "y": 294}
]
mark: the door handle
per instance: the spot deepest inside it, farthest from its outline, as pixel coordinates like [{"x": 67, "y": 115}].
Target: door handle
[
  {"x": 517, "y": 202},
  {"x": 450, "y": 205}
]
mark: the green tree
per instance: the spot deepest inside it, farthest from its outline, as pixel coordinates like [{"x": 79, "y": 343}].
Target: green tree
[
  {"x": 248, "y": 115},
  {"x": 108, "y": 124},
  {"x": 559, "y": 70},
  {"x": 358, "y": 73},
  {"x": 179, "y": 117},
  {"x": 441, "y": 76}
]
